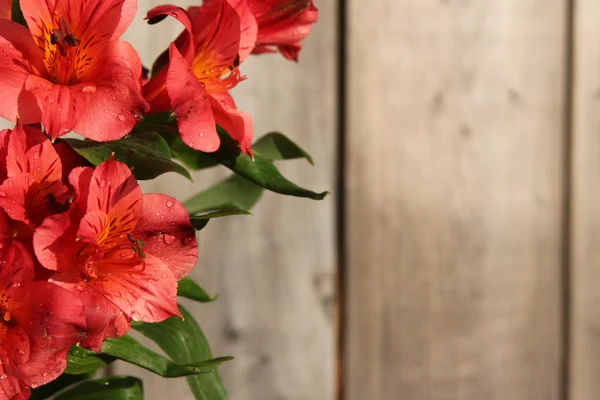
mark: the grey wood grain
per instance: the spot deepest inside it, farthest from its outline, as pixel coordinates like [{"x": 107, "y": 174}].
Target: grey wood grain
[{"x": 455, "y": 199}]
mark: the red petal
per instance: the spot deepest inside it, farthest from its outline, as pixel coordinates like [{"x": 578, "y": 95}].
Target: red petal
[
  {"x": 103, "y": 318},
  {"x": 146, "y": 293},
  {"x": 58, "y": 323},
  {"x": 80, "y": 179},
  {"x": 283, "y": 24},
  {"x": 248, "y": 27},
  {"x": 13, "y": 196},
  {"x": 30, "y": 151},
  {"x": 190, "y": 105},
  {"x": 17, "y": 268},
  {"x": 114, "y": 190},
  {"x": 237, "y": 123},
  {"x": 159, "y": 13},
  {"x": 5, "y": 9},
  {"x": 165, "y": 229},
  {"x": 56, "y": 105},
  {"x": 18, "y": 55},
  {"x": 53, "y": 242}
]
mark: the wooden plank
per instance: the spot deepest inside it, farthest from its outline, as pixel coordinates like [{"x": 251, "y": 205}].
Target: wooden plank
[
  {"x": 274, "y": 271},
  {"x": 585, "y": 261},
  {"x": 455, "y": 197}
]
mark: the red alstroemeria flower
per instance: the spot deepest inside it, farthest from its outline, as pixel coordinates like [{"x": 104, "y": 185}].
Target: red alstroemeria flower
[
  {"x": 203, "y": 67},
  {"x": 120, "y": 251},
  {"x": 39, "y": 323},
  {"x": 69, "y": 70},
  {"x": 5, "y": 9},
  {"x": 33, "y": 186},
  {"x": 282, "y": 25}
]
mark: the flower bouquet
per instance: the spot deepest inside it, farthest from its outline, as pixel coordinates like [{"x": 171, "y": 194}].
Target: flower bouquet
[{"x": 85, "y": 255}]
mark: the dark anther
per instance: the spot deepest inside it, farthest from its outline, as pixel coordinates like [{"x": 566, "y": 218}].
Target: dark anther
[
  {"x": 136, "y": 246},
  {"x": 55, "y": 36},
  {"x": 71, "y": 40},
  {"x": 63, "y": 38}
]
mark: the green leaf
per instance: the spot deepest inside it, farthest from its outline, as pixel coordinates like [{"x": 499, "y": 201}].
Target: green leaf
[
  {"x": 146, "y": 153},
  {"x": 62, "y": 382},
  {"x": 130, "y": 350},
  {"x": 191, "y": 290},
  {"x": 199, "y": 222},
  {"x": 234, "y": 192},
  {"x": 17, "y": 13},
  {"x": 84, "y": 361},
  {"x": 113, "y": 388},
  {"x": 184, "y": 342},
  {"x": 276, "y": 146},
  {"x": 259, "y": 170}
]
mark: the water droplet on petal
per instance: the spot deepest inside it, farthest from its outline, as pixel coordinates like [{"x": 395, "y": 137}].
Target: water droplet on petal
[
  {"x": 121, "y": 117},
  {"x": 169, "y": 203},
  {"x": 89, "y": 89}
]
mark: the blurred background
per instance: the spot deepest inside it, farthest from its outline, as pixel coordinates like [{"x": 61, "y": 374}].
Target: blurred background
[{"x": 458, "y": 256}]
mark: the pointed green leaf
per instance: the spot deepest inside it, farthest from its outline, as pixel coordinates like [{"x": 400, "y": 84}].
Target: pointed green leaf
[
  {"x": 191, "y": 290},
  {"x": 277, "y": 146},
  {"x": 259, "y": 170},
  {"x": 234, "y": 192},
  {"x": 147, "y": 154},
  {"x": 113, "y": 388},
  {"x": 184, "y": 342},
  {"x": 130, "y": 350}
]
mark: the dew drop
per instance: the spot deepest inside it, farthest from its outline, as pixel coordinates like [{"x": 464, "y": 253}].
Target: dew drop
[
  {"x": 89, "y": 89},
  {"x": 121, "y": 117},
  {"x": 163, "y": 276},
  {"x": 169, "y": 203}
]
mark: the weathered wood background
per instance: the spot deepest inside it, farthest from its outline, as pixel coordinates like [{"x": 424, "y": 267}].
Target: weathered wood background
[{"x": 470, "y": 197}]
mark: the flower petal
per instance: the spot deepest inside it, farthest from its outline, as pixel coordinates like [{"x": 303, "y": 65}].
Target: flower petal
[
  {"x": 184, "y": 42},
  {"x": 165, "y": 229},
  {"x": 147, "y": 294},
  {"x": 18, "y": 55},
  {"x": 53, "y": 242},
  {"x": 54, "y": 320},
  {"x": 190, "y": 105},
  {"x": 283, "y": 24},
  {"x": 5, "y": 9},
  {"x": 248, "y": 27},
  {"x": 114, "y": 190},
  {"x": 103, "y": 318},
  {"x": 237, "y": 123}
]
